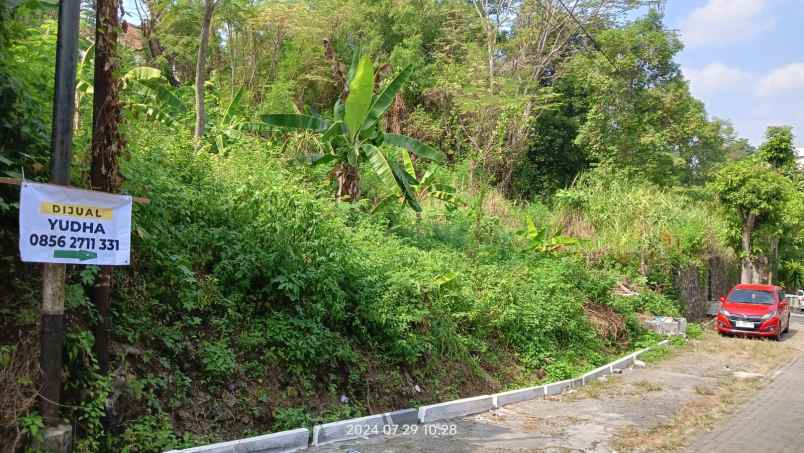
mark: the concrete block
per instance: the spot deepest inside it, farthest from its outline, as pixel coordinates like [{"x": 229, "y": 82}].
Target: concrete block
[
  {"x": 57, "y": 439},
  {"x": 348, "y": 429},
  {"x": 682, "y": 326},
  {"x": 285, "y": 441},
  {"x": 222, "y": 447},
  {"x": 596, "y": 374},
  {"x": 281, "y": 442},
  {"x": 516, "y": 396},
  {"x": 623, "y": 363},
  {"x": 667, "y": 325},
  {"x": 402, "y": 417},
  {"x": 557, "y": 388},
  {"x": 457, "y": 408}
]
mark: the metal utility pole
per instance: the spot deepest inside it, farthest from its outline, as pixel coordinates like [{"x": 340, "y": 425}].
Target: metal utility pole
[{"x": 52, "y": 325}]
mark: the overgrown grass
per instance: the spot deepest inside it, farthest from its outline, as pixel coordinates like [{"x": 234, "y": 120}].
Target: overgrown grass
[{"x": 246, "y": 280}]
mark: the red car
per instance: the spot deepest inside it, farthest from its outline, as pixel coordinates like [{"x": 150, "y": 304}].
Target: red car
[{"x": 758, "y": 310}]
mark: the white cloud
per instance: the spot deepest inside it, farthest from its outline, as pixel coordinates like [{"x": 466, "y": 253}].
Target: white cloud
[
  {"x": 716, "y": 77},
  {"x": 725, "y": 21},
  {"x": 788, "y": 78}
]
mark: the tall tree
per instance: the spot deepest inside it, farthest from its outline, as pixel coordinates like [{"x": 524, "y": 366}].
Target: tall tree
[
  {"x": 754, "y": 193},
  {"x": 107, "y": 144},
  {"x": 778, "y": 151},
  {"x": 201, "y": 68}
]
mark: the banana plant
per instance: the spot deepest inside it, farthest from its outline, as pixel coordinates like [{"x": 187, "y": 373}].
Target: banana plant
[
  {"x": 425, "y": 187},
  {"x": 540, "y": 241},
  {"x": 225, "y": 124},
  {"x": 355, "y": 135}
]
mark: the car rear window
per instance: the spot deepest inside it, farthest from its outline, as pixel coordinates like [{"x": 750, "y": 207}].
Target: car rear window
[{"x": 750, "y": 296}]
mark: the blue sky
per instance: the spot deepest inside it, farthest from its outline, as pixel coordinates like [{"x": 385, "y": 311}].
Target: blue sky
[{"x": 745, "y": 60}]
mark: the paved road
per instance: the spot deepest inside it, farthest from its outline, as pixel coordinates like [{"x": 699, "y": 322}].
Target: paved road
[{"x": 771, "y": 422}]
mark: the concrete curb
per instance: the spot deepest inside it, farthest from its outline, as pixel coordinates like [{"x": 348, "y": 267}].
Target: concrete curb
[
  {"x": 299, "y": 439},
  {"x": 363, "y": 427},
  {"x": 517, "y": 396},
  {"x": 597, "y": 373},
  {"x": 623, "y": 363},
  {"x": 348, "y": 429},
  {"x": 557, "y": 388},
  {"x": 456, "y": 408},
  {"x": 402, "y": 417},
  {"x": 281, "y": 442}
]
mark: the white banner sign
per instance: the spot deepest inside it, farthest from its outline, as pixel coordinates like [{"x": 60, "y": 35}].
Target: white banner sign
[{"x": 73, "y": 226}]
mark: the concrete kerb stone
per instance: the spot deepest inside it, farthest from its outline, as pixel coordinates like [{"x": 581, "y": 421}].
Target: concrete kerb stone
[
  {"x": 222, "y": 447},
  {"x": 516, "y": 396},
  {"x": 402, "y": 417},
  {"x": 457, "y": 408},
  {"x": 285, "y": 441},
  {"x": 597, "y": 373},
  {"x": 623, "y": 363},
  {"x": 298, "y": 439},
  {"x": 557, "y": 388},
  {"x": 281, "y": 442},
  {"x": 354, "y": 428},
  {"x": 362, "y": 427}
]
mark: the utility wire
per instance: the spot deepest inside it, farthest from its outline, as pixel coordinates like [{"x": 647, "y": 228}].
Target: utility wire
[{"x": 588, "y": 35}]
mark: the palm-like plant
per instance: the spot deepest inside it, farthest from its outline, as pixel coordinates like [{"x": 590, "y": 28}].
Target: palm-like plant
[{"x": 355, "y": 135}]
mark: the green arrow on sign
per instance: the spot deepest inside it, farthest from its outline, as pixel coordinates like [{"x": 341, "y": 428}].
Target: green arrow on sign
[{"x": 82, "y": 255}]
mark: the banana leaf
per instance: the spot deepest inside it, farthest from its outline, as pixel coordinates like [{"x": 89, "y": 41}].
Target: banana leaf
[
  {"x": 293, "y": 121},
  {"x": 390, "y": 173},
  {"x": 361, "y": 91},
  {"x": 416, "y": 147},
  {"x": 386, "y": 98}
]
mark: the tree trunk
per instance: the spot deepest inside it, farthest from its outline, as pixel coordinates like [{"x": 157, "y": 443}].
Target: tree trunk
[
  {"x": 760, "y": 270},
  {"x": 773, "y": 259},
  {"x": 348, "y": 179},
  {"x": 747, "y": 274},
  {"x": 106, "y": 147},
  {"x": 492, "y": 47},
  {"x": 200, "y": 71}
]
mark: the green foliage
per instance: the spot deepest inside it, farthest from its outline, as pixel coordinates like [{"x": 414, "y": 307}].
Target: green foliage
[
  {"x": 355, "y": 135},
  {"x": 246, "y": 279},
  {"x": 778, "y": 149},
  {"x": 151, "y": 433},
  {"x": 656, "y": 304},
  {"x": 753, "y": 194},
  {"x": 639, "y": 113},
  {"x": 218, "y": 360},
  {"x": 695, "y": 331},
  {"x": 33, "y": 425},
  {"x": 291, "y": 418},
  {"x": 636, "y": 225},
  {"x": 540, "y": 241},
  {"x": 26, "y": 87}
]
